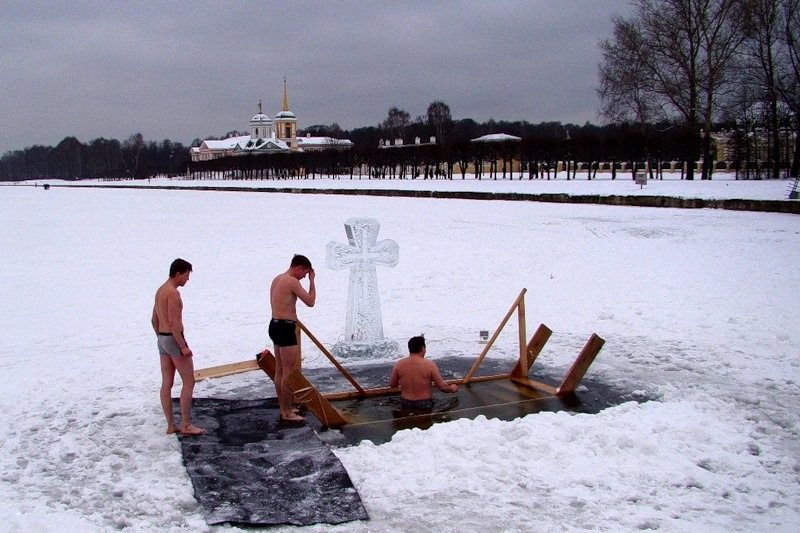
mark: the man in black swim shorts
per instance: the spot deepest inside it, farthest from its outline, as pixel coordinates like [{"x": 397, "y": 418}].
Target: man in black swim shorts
[
  {"x": 422, "y": 405},
  {"x": 282, "y": 332},
  {"x": 283, "y": 295}
]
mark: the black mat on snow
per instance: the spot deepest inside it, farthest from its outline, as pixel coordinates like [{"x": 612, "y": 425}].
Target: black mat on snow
[{"x": 249, "y": 469}]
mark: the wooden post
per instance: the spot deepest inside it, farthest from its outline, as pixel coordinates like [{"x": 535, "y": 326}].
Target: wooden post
[
  {"x": 266, "y": 362},
  {"x": 475, "y": 366},
  {"x": 523, "y": 352},
  {"x": 581, "y": 365},
  {"x": 534, "y": 348},
  {"x": 299, "y": 346}
]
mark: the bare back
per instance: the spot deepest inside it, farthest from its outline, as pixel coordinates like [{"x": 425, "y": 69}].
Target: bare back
[
  {"x": 414, "y": 375},
  {"x": 283, "y": 297}
]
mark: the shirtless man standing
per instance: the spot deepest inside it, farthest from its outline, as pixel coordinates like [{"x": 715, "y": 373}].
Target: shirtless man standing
[
  {"x": 414, "y": 375},
  {"x": 175, "y": 354},
  {"x": 283, "y": 295}
]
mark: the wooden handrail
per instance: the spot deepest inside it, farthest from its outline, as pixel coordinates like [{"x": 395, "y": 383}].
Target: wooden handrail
[
  {"x": 523, "y": 351},
  {"x": 475, "y": 366},
  {"x": 333, "y": 360},
  {"x": 388, "y": 391}
]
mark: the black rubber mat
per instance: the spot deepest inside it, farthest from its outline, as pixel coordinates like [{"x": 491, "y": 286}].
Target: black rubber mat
[{"x": 251, "y": 470}]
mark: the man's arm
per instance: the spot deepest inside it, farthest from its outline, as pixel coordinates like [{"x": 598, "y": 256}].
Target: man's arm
[
  {"x": 175, "y": 319},
  {"x": 394, "y": 380},
  {"x": 307, "y": 297},
  {"x": 154, "y": 320},
  {"x": 312, "y": 287},
  {"x": 441, "y": 384}
]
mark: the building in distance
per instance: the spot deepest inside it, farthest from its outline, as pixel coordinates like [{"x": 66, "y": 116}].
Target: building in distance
[{"x": 268, "y": 136}]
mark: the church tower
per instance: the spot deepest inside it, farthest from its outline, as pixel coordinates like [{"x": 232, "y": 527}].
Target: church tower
[
  {"x": 286, "y": 122},
  {"x": 261, "y": 127}
]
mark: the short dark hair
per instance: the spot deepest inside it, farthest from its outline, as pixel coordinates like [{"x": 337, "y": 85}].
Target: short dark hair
[
  {"x": 300, "y": 260},
  {"x": 416, "y": 344},
  {"x": 179, "y": 266}
]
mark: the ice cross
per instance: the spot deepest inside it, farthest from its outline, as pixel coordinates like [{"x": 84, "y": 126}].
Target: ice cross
[{"x": 364, "y": 322}]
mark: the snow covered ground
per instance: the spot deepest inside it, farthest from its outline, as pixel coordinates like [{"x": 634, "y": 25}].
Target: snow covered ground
[{"x": 699, "y": 310}]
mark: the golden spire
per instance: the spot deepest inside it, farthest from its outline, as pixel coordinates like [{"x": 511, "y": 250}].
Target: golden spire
[{"x": 285, "y": 96}]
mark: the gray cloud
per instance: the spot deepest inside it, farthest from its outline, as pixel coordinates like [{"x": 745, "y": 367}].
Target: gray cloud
[{"x": 182, "y": 70}]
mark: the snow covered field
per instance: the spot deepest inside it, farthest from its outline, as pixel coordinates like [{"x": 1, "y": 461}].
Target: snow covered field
[{"x": 699, "y": 309}]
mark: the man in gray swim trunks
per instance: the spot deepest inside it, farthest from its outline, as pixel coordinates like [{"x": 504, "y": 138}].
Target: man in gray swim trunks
[
  {"x": 283, "y": 295},
  {"x": 175, "y": 353}
]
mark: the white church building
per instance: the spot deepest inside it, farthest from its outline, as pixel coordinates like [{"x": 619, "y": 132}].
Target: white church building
[{"x": 267, "y": 136}]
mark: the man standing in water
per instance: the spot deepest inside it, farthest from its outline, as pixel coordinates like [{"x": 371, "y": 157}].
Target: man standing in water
[
  {"x": 283, "y": 295},
  {"x": 414, "y": 376},
  {"x": 175, "y": 353}
]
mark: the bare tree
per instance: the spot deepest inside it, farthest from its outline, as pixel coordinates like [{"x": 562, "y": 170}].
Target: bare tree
[
  {"x": 396, "y": 122},
  {"x": 788, "y": 76},
  {"x": 763, "y": 32},
  {"x": 626, "y": 91},
  {"x": 680, "y": 54},
  {"x": 132, "y": 149},
  {"x": 722, "y": 32},
  {"x": 439, "y": 119}
]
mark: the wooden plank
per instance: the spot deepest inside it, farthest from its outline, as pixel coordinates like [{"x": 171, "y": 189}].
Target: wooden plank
[
  {"x": 581, "y": 365},
  {"x": 304, "y": 392},
  {"x": 476, "y": 379},
  {"x": 389, "y": 391},
  {"x": 368, "y": 393},
  {"x": 535, "y": 385},
  {"x": 489, "y": 344},
  {"x": 534, "y": 348},
  {"x": 225, "y": 370}
]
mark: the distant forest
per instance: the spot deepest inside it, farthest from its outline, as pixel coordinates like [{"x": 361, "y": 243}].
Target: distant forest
[{"x": 710, "y": 84}]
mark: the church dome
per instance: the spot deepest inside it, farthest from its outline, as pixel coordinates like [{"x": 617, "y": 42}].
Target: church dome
[
  {"x": 260, "y": 117},
  {"x": 285, "y": 114}
]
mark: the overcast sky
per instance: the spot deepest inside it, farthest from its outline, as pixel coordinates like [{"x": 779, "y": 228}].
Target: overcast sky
[{"x": 181, "y": 70}]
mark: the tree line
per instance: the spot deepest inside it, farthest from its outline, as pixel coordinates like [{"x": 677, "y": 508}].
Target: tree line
[{"x": 71, "y": 159}]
